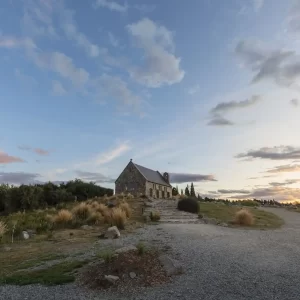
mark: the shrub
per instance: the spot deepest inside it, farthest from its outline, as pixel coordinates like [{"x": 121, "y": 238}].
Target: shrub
[
  {"x": 141, "y": 248},
  {"x": 250, "y": 203},
  {"x": 154, "y": 216},
  {"x": 64, "y": 216},
  {"x": 94, "y": 205},
  {"x": 82, "y": 211},
  {"x": 3, "y": 229},
  {"x": 244, "y": 217},
  {"x": 118, "y": 218},
  {"x": 101, "y": 208},
  {"x": 106, "y": 255},
  {"x": 126, "y": 208},
  {"x": 188, "y": 205},
  {"x": 95, "y": 218}
]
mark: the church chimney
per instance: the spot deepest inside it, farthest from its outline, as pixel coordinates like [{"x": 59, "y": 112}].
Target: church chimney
[{"x": 166, "y": 177}]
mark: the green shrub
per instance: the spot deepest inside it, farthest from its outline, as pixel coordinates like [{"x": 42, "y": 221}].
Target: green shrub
[
  {"x": 141, "y": 248},
  {"x": 189, "y": 205},
  {"x": 106, "y": 255},
  {"x": 154, "y": 216}
]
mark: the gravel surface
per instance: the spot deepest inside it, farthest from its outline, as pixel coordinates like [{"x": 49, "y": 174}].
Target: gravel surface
[{"x": 219, "y": 263}]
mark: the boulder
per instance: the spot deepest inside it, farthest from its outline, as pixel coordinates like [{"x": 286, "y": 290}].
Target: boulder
[
  {"x": 111, "y": 278},
  {"x": 171, "y": 266},
  {"x": 112, "y": 233},
  {"x": 132, "y": 275},
  {"x": 25, "y": 235},
  {"x": 126, "y": 249}
]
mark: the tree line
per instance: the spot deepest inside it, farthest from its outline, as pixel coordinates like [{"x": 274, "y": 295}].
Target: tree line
[
  {"x": 39, "y": 196},
  {"x": 190, "y": 192}
]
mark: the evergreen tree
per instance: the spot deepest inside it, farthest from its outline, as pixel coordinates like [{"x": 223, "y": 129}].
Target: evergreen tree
[
  {"x": 174, "y": 191},
  {"x": 193, "y": 191},
  {"x": 187, "y": 191}
]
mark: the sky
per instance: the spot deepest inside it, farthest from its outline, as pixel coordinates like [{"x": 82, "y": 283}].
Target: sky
[{"x": 206, "y": 90}]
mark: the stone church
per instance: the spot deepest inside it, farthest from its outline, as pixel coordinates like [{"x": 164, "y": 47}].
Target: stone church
[{"x": 136, "y": 179}]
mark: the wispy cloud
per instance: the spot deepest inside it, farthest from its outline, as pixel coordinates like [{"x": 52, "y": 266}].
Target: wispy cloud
[
  {"x": 104, "y": 158},
  {"x": 272, "y": 153},
  {"x": 217, "y": 120},
  {"x": 286, "y": 182},
  {"x": 112, "y": 5},
  {"x": 112, "y": 39},
  {"x": 94, "y": 176},
  {"x": 184, "y": 177},
  {"x": 8, "y": 159},
  {"x": 295, "y": 102},
  {"x": 57, "y": 88},
  {"x": 258, "y": 4},
  {"x": 38, "y": 151},
  {"x": 193, "y": 89},
  {"x": 19, "y": 178},
  {"x": 161, "y": 66},
  {"x": 227, "y": 191},
  {"x": 285, "y": 169},
  {"x": 15, "y": 42}
]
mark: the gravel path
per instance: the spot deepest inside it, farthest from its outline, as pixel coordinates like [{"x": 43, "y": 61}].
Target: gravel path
[{"x": 220, "y": 263}]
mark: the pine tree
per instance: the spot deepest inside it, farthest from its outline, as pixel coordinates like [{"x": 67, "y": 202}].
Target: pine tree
[
  {"x": 193, "y": 191},
  {"x": 187, "y": 191}
]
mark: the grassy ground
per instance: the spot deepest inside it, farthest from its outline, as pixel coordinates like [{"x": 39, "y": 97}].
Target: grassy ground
[{"x": 226, "y": 213}]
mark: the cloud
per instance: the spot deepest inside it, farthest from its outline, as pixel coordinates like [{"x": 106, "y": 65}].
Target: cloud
[
  {"x": 117, "y": 88},
  {"x": 293, "y": 18},
  {"x": 18, "y": 178},
  {"x": 280, "y": 66},
  {"x": 111, "y": 5},
  {"x": 278, "y": 193},
  {"x": 26, "y": 79},
  {"x": 57, "y": 88},
  {"x": 273, "y": 153},
  {"x": 285, "y": 169},
  {"x": 193, "y": 89},
  {"x": 8, "y": 159},
  {"x": 224, "y": 107},
  {"x": 107, "y": 157},
  {"x": 219, "y": 121},
  {"x": 94, "y": 176},
  {"x": 286, "y": 182},
  {"x": 294, "y": 102},
  {"x": 258, "y": 4},
  {"x": 144, "y": 8},
  {"x": 161, "y": 66},
  {"x": 38, "y": 151},
  {"x": 11, "y": 42},
  {"x": 224, "y": 191},
  {"x": 113, "y": 40},
  {"x": 183, "y": 177}
]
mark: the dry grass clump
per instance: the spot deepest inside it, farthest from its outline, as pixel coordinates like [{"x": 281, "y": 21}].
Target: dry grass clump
[
  {"x": 101, "y": 208},
  {"x": 82, "y": 211},
  {"x": 95, "y": 218},
  {"x": 3, "y": 229},
  {"x": 129, "y": 196},
  {"x": 118, "y": 217},
  {"x": 64, "y": 216},
  {"x": 126, "y": 208},
  {"x": 244, "y": 217},
  {"x": 94, "y": 205}
]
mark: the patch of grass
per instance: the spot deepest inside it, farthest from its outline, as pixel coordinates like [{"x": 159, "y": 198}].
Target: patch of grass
[
  {"x": 226, "y": 214},
  {"x": 106, "y": 255},
  {"x": 141, "y": 248},
  {"x": 126, "y": 208},
  {"x": 243, "y": 217},
  {"x": 118, "y": 218},
  {"x": 57, "y": 274},
  {"x": 154, "y": 216}
]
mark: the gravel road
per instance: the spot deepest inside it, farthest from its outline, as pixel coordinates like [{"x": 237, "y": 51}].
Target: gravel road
[{"x": 219, "y": 262}]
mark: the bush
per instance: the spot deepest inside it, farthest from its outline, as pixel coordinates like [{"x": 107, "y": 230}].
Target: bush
[
  {"x": 154, "y": 216},
  {"x": 82, "y": 211},
  {"x": 244, "y": 217},
  {"x": 63, "y": 217},
  {"x": 250, "y": 203},
  {"x": 95, "y": 218},
  {"x": 141, "y": 248},
  {"x": 118, "y": 218},
  {"x": 106, "y": 255},
  {"x": 3, "y": 229},
  {"x": 189, "y": 205},
  {"x": 126, "y": 208},
  {"x": 101, "y": 208}
]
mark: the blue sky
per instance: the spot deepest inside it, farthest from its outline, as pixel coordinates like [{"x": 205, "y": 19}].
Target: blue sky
[{"x": 206, "y": 90}]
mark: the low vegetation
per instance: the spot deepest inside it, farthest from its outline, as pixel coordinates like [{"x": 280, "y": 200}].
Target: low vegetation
[
  {"x": 106, "y": 255},
  {"x": 141, "y": 248},
  {"x": 118, "y": 217},
  {"x": 227, "y": 214},
  {"x": 189, "y": 205},
  {"x": 243, "y": 217},
  {"x": 3, "y": 229}
]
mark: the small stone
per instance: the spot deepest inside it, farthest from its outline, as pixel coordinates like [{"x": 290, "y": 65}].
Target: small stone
[
  {"x": 112, "y": 233},
  {"x": 25, "y": 235},
  {"x": 126, "y": 249},
  {"x": 132, "y": 275},
  {"x": 111, "y": 278}
]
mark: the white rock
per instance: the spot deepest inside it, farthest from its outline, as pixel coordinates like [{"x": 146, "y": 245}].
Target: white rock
[
  {"x": 111, "y": 278},
  {"x": 112, "y": 233},
  {"x": 25, "y": 235},
  {"x": 132, "y": 275},
  {"x": 125, "y": 249}
]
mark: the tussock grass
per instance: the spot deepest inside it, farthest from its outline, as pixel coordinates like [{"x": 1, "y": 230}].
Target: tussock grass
[
  {"x": 95, "y": 218},
  {"x": 126, "y": 208},
  {"x": 82, "y": 211},
  {"x": 244, "y": 217},
  {"x": 63, "y": 217},
  {"x": 118, "y": 218},
  {"x": 3, "y": 229}
]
